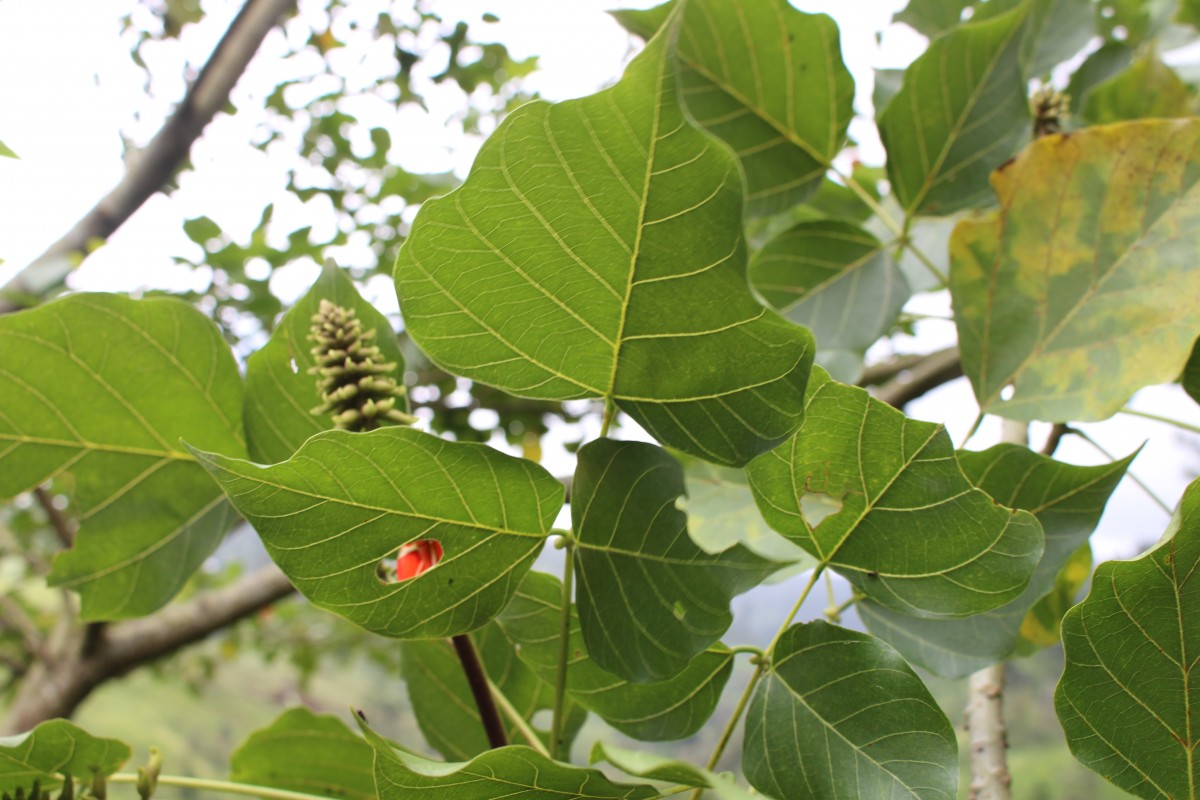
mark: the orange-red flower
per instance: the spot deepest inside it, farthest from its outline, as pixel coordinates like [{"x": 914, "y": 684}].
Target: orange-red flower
[{"x": 416, "y": 557}]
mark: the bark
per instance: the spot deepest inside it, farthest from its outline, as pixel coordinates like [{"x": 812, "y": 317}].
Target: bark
[
  {"x": 158, "y": 161},
  {"x": 55, "y": 686},
  {"x": 917, "y": 378}
]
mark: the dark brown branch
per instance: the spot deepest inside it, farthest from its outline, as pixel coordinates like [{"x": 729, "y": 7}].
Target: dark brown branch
[
  {"x": 159, "y": 160},
  {"x": 1057, "y": 433},
  {"x": 884, "y": 371},
  {"x": 14, "y": 618},
  {"x": 478, "y": 681},
  {"x": 922, "y": 377},
  {"x": 62, "y": 526},
  {"x": 55, "y": 689}
]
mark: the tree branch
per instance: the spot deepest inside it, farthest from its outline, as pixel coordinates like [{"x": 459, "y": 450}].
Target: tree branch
[
  {"x": 158, "y": 161},
  {"x": 62, "y": 526},
  {"x": 917, "y": 378},
  {"x": 56, "y": 689}
]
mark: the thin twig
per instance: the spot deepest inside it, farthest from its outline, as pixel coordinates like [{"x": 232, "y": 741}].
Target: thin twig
[
  {"x": 922, "y": 377},
  {"x": 1057, "y": 433},
  {"x": 1128, "y": 473},
  {"x": 477, "y": 679},
  {"x": 558, "y": 721},
  {"x": 62, "y": 525}
]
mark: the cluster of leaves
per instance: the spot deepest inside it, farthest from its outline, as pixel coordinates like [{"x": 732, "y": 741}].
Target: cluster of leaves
[{"x": 598, "y": 250}]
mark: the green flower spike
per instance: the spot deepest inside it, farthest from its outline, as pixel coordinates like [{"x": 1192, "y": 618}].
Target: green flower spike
[{"x": 355, "y": 383}]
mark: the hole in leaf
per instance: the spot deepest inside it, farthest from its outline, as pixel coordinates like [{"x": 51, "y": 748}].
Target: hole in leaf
[
  {"x": 411, "y": 560},
  {"x": 295, "y": 367},
  {"x": 1007, "y": 392},
  {"x": 542, "y": 718},
  {"x": 816, "y": 506}
]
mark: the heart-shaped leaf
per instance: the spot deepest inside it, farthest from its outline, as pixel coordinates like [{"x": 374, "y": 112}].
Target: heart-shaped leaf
[
  {"x": 649, "y": 599},
  {"x": 1067, "y": 500},
  {"x": 304, "y": 752},
  {"x": 1128, "y": 698},
  {"x": 841, "y": 715},
  {"x": 508, "y": 773},
  {"x": 1096, "y": 232},
  {"x": 280, "y": 392},
  {"x": 785, "y": 132},
  {"x": 670, "y": 709},
  {"x": 54, "y": 750},
  {"x": 881, "y": 499},
  {"x": 962, "y": 111},
  {"x": 100, "y": 388},
  {"x": 333, "y": 512},
  {"x": 837, "y": 280},
  {"x": 596, "y": 249},
  {"x": 445, "y": 708}
]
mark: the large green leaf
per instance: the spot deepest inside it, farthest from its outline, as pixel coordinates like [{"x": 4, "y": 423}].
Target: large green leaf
[
  {"x": 305, "y": 752},
  {"x": 837, "y": 280},
  {"x": 54, "y": 750},
  {"x": 1147, "y": 89},
  {"x": 1067, "y": 500},
  {"x": 670, "y": 709},
  {"x": 1096, "y": 233},
  {"x": 962, "y": 111},
  {"x": 508, "y": 773},
  {"x": 649, "y": 599},
  {"x": 1129, "y": 699},
  {"x": 882, "y": 499},
  {"x": 840, "y": 715},
  {"x": 1056, "y": 31},
  {"x": 596, "y": 250},
  {"x": 96, "y": 391},
  {"x": 644, "y": 22},
  {"x": 443, "y": 703},
  {"x": 279, "y": 390},
  {"x": 1110, "y": 60},
  {"x": 641, "y": 764},
  {"x": 769, "y": 81},
  {"x": 346, "y": 501}
]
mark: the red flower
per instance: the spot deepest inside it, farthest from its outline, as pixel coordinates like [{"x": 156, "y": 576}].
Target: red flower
[{"x": 416, "y": 557}]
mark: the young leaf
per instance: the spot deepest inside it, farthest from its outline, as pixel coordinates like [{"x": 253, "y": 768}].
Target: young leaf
[
  {"x": 961, "y": 112},
  {"x": 649, "y": 599},
  {"x": 596, "y": 249},
  {"x": 279, "y": 390},
  {"x": 508, "y": 773},
  {"x": 881, "y": 499},
  {"x": 838, "y": 281},
  {"x": 784, "y": 131},
  {"x": 670, "y": 709},
  {"x": 1068, "y": 502},
  {"x": 1096, "y": 232},
  {"x": 657, "y": 768},
  {"x": 305, "y": 752},
  {"x": 7, "y": 152},
  {"x": 344, "y": 502},
  {"x": 445, "y": 708},
  {"x": 841, "y": 715},
  {"x": 53, "y": 750},
  {"x": 100, "y": 388},
  {"x": 1128, "y": 698}
]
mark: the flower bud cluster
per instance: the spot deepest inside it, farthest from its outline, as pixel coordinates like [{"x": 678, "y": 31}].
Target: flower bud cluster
[{"x": 355, "y": 383}]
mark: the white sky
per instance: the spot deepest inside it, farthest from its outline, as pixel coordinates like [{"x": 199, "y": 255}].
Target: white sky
[{"x": 68, "y": 89}]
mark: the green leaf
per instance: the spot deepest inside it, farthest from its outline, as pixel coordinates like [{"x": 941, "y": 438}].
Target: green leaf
[
  {"x": 644, "y": 23},
  {"x": 1190, "y": 379},
  {"x": 596, "y": 249},
  {"x": 1056, "y": 31},
  {"x": 722, "y": 513},
  {"x": 1095, "y": 233},
  {"x": 1042, "y": 626},
  {"x": 1189, "y": 13},
  {"x": 1128, "y": 697},
  {"x": 1110, "y": 60},
  {"x": 6, "y": 151},
  {"x": 279, "y": 390},
  {"x": 445, "y": 707},
  {"x": 1067, "y": 501},
  {"x": 96, "y": 391},
  {"x": 932, "y": 17},
  {"x": 53, "y": 750},
  {"x": 667, "y": 710},
  {"x": 649, "y": 599},
  {"x": 1147, "y": 89},
  {"x": 907, "y": 530},
  {"x": 962, "y": 111},
  {"x": 641, "y": 764},
  {"x": 508, "y": 773},
  {"x": 888, "y": 83},
  {"x": 838, "y": 281},
  {"x": 309, "y": 753},
  {"x": 344, "y": 502},
  {"x": 785, "y": 132},
  {"x": 1141, "y": 19},
  {"x": 841, "y": 715},
  {"x": 201, "y": 229}
]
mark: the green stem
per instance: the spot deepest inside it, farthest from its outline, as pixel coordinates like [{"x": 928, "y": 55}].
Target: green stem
[
  {"x": 228, "y": 787},
  {"x": 1128, "y": 473},
  {"x": 564, "y": 651},
  {"x": 1157, "y": 418},
  {"x": 834, "y": 614},
  {"x": 515, "y": 717},
  {"x": 738, "y": 710},
  {"x": 610, "y": 411}
]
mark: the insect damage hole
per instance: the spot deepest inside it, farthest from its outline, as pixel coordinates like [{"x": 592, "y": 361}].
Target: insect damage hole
[{"x": 411, "y": 560}]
